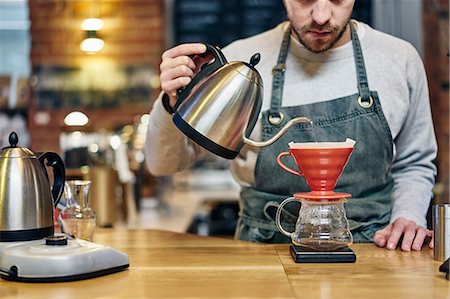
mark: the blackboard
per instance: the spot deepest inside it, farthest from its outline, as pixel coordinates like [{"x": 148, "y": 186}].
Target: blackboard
[{"x": 220, "y": 22}]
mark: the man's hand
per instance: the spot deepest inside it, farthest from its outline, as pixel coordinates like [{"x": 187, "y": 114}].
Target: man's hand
[
  {"x": 178, "y": 68},
  {"x": 411, "y": 235}
]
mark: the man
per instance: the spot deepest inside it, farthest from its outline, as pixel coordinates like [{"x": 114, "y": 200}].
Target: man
[{"x": 352, "y": 81}]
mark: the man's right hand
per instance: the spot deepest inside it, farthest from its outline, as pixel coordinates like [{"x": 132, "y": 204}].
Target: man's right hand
[{"x": 178, "y": 68}]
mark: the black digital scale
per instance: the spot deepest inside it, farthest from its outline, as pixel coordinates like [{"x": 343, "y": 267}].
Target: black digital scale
[{"x": 306, "y": 255}]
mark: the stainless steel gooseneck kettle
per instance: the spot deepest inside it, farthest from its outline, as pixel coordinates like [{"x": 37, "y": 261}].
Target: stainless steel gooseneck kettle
[
  {"x": 26, "y": 199},
  {"x": 219, "y": 108}
]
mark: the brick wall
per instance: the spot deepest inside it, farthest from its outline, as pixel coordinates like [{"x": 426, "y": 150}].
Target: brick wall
[
  {"x": 133, "y": 35},
  {"x": 133, "y": 30},
  {"x": 436, "y": 41}
]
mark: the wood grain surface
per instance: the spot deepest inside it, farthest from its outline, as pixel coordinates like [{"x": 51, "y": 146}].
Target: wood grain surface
[{"x": 173, "y": 265}]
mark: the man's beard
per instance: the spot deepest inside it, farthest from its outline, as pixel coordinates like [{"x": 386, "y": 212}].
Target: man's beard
[{"x": 319, "y": 46}]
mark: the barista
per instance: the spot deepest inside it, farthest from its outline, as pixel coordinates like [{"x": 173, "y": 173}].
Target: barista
[{"x": 353, "y": 82}]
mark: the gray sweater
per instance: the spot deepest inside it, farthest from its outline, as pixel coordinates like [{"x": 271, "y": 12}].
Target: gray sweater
[{"x": 394, "y": 70}]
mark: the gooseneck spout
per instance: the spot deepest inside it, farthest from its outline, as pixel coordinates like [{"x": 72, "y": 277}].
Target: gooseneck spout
[{"x": 279, "y": 134}]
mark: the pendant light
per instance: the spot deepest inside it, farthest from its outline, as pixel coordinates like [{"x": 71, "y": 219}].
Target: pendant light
[
  {"x": 92, "y": 43},
  {"x": 76, "y": 119}
]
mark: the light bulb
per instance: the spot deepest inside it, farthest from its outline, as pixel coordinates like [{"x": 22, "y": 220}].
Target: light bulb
[
  {"x": 92, "y": 45},
  {"x": 92, "y": 24},
  {"x": 76, "y": 118}
]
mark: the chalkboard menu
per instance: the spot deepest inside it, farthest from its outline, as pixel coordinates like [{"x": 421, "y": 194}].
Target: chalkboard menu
[{"x": 220, "y": 22}]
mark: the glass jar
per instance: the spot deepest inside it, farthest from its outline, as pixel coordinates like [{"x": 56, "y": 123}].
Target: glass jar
[
  {"x": 78, "y": 219},
  {"x": 321, "y": 225}
]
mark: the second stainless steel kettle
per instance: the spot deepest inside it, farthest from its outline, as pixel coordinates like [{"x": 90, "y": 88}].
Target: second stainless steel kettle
[
  {"x": 26, "y": 199},
  {"x": 219, "y": 108}
]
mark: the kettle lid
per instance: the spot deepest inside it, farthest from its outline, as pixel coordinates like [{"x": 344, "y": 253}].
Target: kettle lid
[
  {"x": 248, "y": 69},
  {"x": 14, "y": 151}
]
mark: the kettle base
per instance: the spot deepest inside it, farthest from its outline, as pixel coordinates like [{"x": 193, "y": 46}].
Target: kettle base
[
  {"x": 44, "y": 261},
  {"x": 201, "y": 140},
  {"x": 26, "y": 234}
]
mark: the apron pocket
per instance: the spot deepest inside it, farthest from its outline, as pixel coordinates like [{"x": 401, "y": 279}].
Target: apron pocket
[
  {"x": 364, "y": 236},
  {"x": 257, "y": 230},
  {"x": 261, "y": 235}
]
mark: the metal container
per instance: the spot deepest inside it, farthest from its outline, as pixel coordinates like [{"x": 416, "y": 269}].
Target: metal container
[
  {"x": 219, "y": 108},
  {"x": 441, "y": 230},
  {"x": 103, "y": 194},
  {"x": 27, "y": 198}
]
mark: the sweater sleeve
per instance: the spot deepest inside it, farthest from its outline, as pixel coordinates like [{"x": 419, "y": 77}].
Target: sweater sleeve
[
  {"x": 167, "y": 150},
  {"x": 415, "y": 147}
]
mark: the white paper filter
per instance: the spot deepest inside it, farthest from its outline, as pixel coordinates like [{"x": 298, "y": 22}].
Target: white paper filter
[{"x": 344, "y": 144}]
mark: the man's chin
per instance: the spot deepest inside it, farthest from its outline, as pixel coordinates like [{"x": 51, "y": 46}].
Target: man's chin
[{"x": 317, "y": 47}]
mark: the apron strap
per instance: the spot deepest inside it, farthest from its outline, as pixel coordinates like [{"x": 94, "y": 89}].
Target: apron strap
[
  {"x": 275, "y": 118},
  {"x": 365, "y": 99}
]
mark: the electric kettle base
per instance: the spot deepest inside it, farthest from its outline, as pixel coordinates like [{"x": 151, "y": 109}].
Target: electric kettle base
[
  {"x": 306, "y": 255},
  {"x": 36, "y": 261},
  {"x": 76, "y": 277}
]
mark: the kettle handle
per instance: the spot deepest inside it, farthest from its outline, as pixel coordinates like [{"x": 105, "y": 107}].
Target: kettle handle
[
  {"x": 59, "y": 173},
  {"x": 206, "y": 70}
]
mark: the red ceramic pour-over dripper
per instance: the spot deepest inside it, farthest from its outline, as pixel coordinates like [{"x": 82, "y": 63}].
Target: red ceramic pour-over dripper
[{"x": 321, "y": 164}]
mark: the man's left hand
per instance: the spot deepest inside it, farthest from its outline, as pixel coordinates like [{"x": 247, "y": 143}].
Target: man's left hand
[{"x": 411, "y": 235}]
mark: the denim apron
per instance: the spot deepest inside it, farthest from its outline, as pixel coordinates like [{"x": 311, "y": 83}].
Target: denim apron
[{"x": 367, "y": 176}]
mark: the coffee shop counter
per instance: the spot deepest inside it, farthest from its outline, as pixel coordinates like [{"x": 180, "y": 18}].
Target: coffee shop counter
[{"x": 177, "y": 265}]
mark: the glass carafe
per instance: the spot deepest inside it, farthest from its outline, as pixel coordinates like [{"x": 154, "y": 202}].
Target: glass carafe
[
  {"x": 78, "y": 219},
  {"x": 321, "y": 225}
]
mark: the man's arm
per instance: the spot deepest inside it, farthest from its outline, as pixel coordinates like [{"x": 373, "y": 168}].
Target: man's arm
[
  {"x": 167, "y": 149},
  {"x": 413, "y": 169}
]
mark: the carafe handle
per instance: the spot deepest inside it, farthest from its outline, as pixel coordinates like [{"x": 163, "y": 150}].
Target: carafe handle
[
  {"x": 278, "y": 216},
  {"x": 59, "y": 173},
  {"x": 284, "y": 166},
  {"x": 206, "y": 70}
]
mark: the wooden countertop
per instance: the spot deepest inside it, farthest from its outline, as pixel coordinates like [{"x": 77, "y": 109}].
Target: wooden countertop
[{"x": 173, "y": 265}]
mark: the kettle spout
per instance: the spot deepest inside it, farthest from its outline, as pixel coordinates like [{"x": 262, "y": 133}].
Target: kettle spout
[{"x": 278, "y": 135}]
